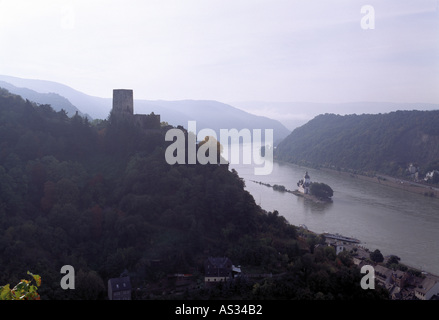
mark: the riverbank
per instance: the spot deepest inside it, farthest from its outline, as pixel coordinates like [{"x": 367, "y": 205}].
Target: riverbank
[
  {"x": 409, "y": 186},
  {"x": 398, "y": 183},
  {"x": 401, "y": 280}
]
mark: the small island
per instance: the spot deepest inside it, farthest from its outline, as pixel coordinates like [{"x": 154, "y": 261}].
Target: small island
[
  {"x": 314, "y": 191},
  {"x": 318, "y": 192}
]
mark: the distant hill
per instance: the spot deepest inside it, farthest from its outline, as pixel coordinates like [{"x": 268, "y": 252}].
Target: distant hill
[
  {"x": 295, "y": 114},
  {"x": 93, "y": 106},
  {"x": 385, "y": 143},
  {"x": 56, "y": 101},
  {"x": 208, "y": 114}
]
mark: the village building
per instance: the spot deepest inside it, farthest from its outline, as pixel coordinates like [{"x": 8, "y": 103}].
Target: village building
[
  {"x": 338, "y": 246},
  {"x": 400, "y": 278},
  {"x": 119, "y": 288},
  {"x": 428, "y": 288},
  {"x": 384, "y": 276},
  {"x": 219, "y": 269},
  {"x": 430, "y": 175}
]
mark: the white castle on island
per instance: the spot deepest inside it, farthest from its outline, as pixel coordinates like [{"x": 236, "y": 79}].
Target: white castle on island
[{"x": 304, "y": 184}]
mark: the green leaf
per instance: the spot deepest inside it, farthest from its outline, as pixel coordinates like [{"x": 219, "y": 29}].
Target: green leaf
[
  {"x": 36, "y": 277},
  {"x": 5, "y": 293}
]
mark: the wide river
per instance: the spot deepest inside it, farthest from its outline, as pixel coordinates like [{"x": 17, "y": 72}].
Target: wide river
[{"x": 381, "y": 217}]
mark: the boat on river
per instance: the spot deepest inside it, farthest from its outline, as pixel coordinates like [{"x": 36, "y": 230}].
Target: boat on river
[{"x": 339, "y": 237}]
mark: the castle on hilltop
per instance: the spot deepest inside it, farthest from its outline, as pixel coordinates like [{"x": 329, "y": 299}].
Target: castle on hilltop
[{"x": 123, "y": 107}]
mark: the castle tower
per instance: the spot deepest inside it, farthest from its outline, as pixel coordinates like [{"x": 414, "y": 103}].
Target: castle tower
[
  {"x": 123, "y": 102},
  {"x": 306, "y": 179}
]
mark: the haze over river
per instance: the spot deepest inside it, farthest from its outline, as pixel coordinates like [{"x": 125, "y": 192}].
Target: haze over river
[{"x": 381, "y": 217}]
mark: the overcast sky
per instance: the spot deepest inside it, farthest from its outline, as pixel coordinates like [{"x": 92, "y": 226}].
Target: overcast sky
[{"x": 227, "y": 50}]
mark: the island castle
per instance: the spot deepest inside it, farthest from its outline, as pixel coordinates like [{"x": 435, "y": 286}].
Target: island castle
[
  {"x": 304, "y": 184},
  {"x": 123, "y": 107}
]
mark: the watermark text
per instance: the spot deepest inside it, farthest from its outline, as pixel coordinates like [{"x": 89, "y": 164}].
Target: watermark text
[
  {"x": 185, "y": 150},
  {"x": 368, "y": 20}
]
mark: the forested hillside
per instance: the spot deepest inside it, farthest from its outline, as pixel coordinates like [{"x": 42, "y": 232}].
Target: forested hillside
[
  {"x": 54, "y": 99},
  {"x": 100, "y": 197},
  {"x": 385, "y": 143}
]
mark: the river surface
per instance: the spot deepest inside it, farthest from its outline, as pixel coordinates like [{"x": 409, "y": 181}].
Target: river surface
[{"x": 381, "y": 217}]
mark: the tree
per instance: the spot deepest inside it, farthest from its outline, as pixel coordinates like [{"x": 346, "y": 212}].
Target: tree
[
  {"x": 280, "y": 188},
  {"x": 393, "y": 260},
  {"x": 376, "y": 256},
  {"x": 90, "y": 286},
  {"x": 321, "y": 190}
]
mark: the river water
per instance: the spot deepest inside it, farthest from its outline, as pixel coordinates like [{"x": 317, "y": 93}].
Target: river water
[{"x": 381, "y": 217}]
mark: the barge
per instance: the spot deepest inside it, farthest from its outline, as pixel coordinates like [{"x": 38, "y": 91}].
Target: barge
[{"x": 339, "y": 237}]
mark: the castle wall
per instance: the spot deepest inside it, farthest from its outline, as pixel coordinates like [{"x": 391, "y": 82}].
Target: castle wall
[
  {"x": 147, "y": 121},
  {"x": 153, "y": 121}
]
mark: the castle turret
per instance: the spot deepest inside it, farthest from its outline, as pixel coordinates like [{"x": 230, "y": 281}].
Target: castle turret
[
  {"x": 123, "y": 102},
  {"x": 306, "y": 179},
  {"x": 304, "y": 183}
]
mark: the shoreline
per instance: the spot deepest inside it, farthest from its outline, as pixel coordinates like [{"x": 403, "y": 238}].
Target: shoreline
[
  {"x": 401, "y": 184},
  {"x": 365, "y": 249},
  {"x": 397, "y": 183}
]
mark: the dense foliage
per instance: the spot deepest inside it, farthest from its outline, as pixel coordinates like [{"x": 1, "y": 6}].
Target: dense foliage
[
  {"x": 385, "y": 143},
  {"x": 321, "y": 190},
  {"x": 377, "y": 256},
  {"x": 101, "y": 198}
]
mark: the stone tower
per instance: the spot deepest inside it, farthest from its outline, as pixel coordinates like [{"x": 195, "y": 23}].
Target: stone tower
[{"x": 123, "y": 102}]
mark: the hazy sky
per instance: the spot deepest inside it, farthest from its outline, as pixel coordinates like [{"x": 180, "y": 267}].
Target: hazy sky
[{"x": 227, "y": 50}]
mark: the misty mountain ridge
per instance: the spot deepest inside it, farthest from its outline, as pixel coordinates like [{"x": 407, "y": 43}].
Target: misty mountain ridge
[
  {"x": 57, "y": 101},
  {"x": 296, "y": 114},
  {"x": 282, "y": 117},
  {"x": 208, "y": 113}
]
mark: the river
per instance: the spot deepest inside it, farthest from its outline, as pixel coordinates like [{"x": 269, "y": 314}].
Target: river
[{"x": 394, "y": 221}]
